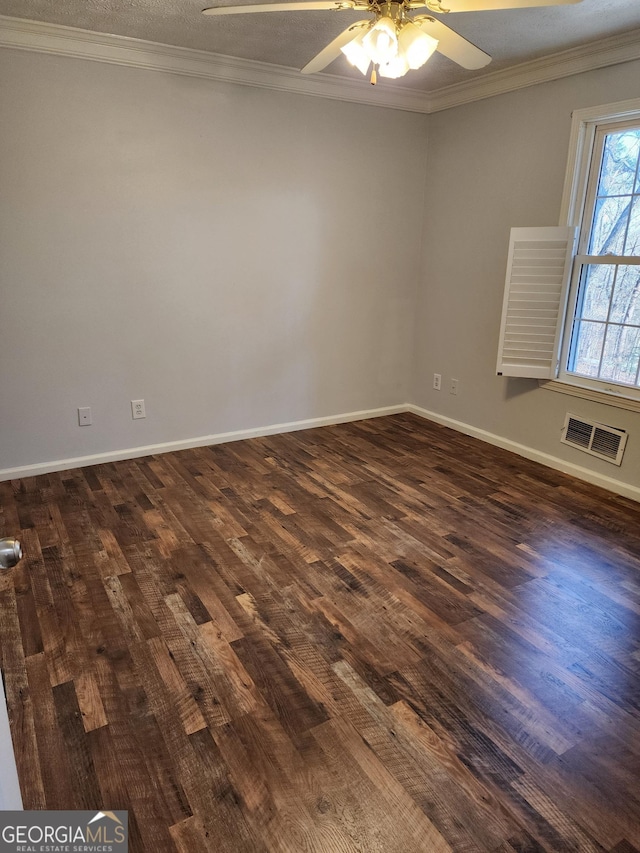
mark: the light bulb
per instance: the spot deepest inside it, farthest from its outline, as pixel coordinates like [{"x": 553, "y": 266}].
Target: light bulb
[
  {"x": 415, "y": 45},
  {"x": 356, "y": 54},
  {"x": 396, "y": 67},
  {"x": 381, "y": 42}
]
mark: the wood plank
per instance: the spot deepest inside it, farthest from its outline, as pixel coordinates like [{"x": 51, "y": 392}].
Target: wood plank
[{"x": 383, "y": 637}]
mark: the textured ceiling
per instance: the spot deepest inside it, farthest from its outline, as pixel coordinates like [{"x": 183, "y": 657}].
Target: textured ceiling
[{"x": 293, "y": 38}]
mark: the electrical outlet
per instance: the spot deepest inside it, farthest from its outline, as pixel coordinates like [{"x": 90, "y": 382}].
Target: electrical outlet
[
  {"x": 453, "y": 387},
  {"x": 437, "y": 381},
  {"x": 84, "y": 416},
  {"x": 137, "y": 409}
]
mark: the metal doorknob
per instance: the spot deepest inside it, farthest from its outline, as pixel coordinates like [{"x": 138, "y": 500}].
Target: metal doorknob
[{"x": 10, "y": 553}]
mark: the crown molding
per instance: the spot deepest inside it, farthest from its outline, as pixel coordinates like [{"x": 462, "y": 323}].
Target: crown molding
[
  {"x": 136, "y": 53},
  {"x": 610, "y": 51},
  {"x": 22, "y": 34}
]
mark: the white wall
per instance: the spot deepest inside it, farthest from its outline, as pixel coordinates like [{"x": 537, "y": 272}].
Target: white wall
[
  {"x": 236, "y": 257},
  {"x": 492, "y": 165},
  {"x": 239, "y": 257}
]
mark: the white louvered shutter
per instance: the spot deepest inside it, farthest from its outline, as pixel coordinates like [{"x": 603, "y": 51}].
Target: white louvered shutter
[{"x": 538, "y": 273}]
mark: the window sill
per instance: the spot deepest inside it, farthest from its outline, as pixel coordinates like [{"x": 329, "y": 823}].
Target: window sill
[{"x": 616, "y": 400}]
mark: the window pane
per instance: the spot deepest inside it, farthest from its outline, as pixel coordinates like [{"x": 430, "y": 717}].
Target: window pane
[
  {"x": 621, "y": 355},
  {"x": 610, "y": 225},
  {"x": 626, "y": 296},
  {"x": 596, "y": 292},
  {"x": 632, "y": 244},
  {"x": 619, "y": 160},
  {"x": 587, "y": 349}
]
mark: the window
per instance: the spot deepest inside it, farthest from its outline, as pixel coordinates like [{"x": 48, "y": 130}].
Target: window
[
  {"x": 603, "y": 337},
  {"x": 574, "y": 315}
]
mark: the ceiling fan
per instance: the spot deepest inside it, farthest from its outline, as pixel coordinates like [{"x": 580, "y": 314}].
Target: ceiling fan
[{"x": 392, "y": 41}]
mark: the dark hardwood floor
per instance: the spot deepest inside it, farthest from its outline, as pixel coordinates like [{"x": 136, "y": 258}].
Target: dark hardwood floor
[{"x": 381, "y": 636}]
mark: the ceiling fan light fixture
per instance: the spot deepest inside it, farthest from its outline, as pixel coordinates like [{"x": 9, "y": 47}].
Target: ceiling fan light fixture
[
  {"x": 415, "y": 45},
  {"x": 356, "y": 54},
  {"x": 381, "y": 42},
  {"x": 392, "y": 33}
]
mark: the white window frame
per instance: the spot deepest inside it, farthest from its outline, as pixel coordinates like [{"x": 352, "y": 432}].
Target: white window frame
[{"x": 581, "y": 162}]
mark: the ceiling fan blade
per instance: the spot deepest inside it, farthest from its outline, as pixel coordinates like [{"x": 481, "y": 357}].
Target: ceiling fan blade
[
  {"x": 311, "y": 6},
  {"x": 489, "y": 5},
  {"x": 332, "y": 50},
  {"x": 452, "y": 45}
]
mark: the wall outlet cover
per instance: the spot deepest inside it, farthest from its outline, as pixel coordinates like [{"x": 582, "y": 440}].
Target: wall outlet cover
[{"x": 137, "y": 409}]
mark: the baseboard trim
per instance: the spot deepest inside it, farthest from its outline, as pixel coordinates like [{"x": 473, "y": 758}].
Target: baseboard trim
[
  {"x": 199, "y": 441},
  {"x": 608, "y": 483}
]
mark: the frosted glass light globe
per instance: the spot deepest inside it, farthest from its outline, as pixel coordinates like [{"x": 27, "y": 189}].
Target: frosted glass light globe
[{"x": 381, "y": 42}]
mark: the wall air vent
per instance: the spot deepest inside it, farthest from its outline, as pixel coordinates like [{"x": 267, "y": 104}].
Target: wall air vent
[{"x": 599, "y": 440}]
